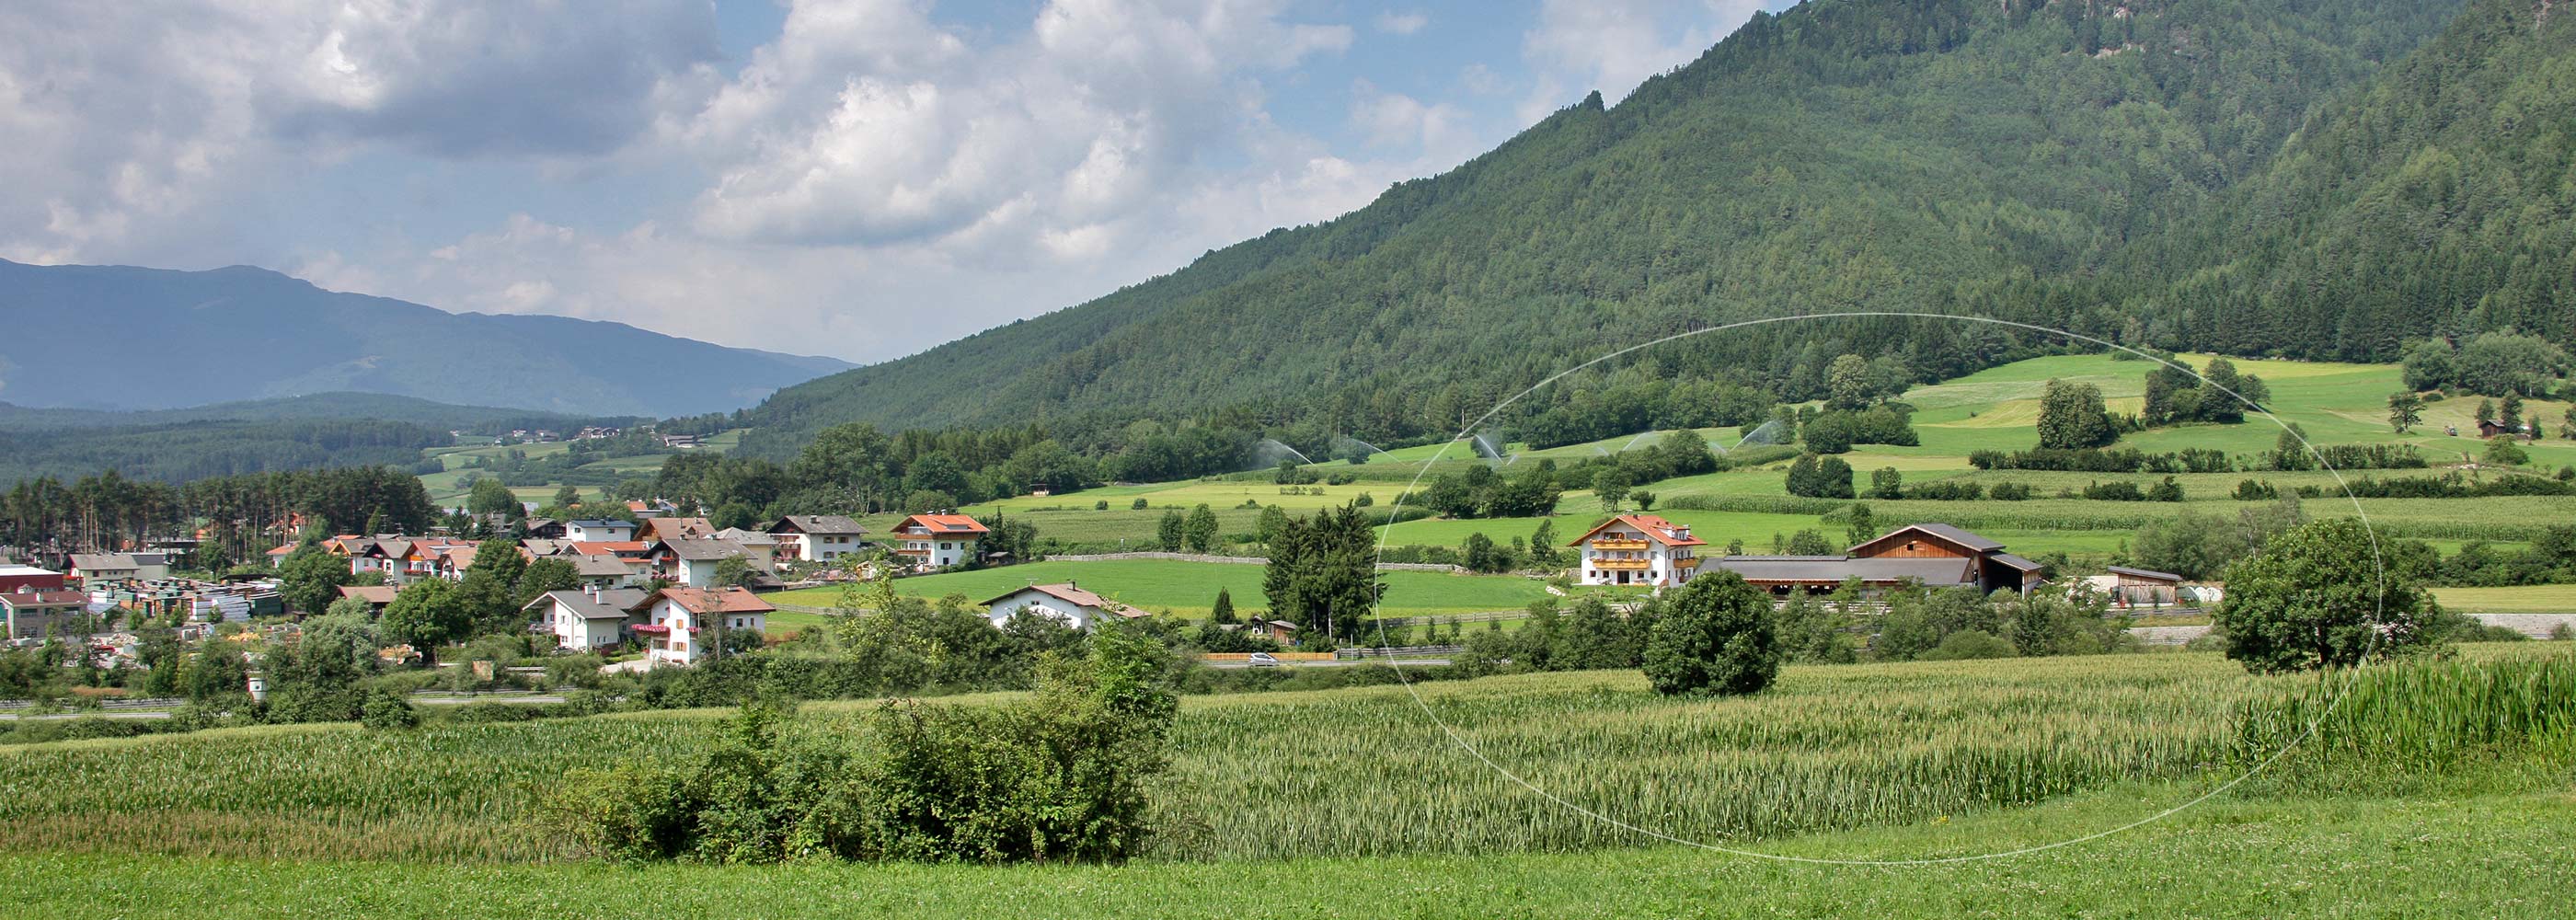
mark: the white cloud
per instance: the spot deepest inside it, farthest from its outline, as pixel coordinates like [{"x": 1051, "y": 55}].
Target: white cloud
[
  {"x": 1393, "y": 23},
  {"x": 148, "y": 128},
  {"x": 1613, "y": 45}
]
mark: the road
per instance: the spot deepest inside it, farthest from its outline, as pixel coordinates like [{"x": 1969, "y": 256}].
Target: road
[{"x": 1336, "y": 663}]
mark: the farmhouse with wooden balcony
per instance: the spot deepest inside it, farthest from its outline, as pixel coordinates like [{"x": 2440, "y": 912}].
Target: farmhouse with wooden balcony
[{"x": 1638, "y": 549}]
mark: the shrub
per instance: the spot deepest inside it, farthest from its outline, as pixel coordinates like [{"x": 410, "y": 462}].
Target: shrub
[
  {"x": 2009, "y": 492},
  {"x": 1967, "y": 644},
  {"x": 1138, "y": 505},
  {"x": 1714, "y": 637},
  {"x": 387, "y": 710}
]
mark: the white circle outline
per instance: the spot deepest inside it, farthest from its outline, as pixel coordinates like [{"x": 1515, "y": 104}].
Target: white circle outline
[{"x": 2378, "y": 564}]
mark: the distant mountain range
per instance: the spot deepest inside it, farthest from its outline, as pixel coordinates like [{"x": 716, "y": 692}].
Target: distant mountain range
[
  {"x": 317, "y": 407},
  {"x": 126, "y": 338}
]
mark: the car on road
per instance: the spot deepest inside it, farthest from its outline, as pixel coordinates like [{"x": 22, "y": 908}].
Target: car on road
[{"x": 1262, "y": 660}]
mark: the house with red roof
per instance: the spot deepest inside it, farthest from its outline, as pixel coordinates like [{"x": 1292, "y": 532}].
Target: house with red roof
[
  {"x": 937, "y": 541},
  {"x": 674, "y": 623},
  {"x": 1638, "y": 549}
]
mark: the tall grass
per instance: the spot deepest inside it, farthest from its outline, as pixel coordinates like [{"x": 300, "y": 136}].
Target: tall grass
[
  {"x": 1361, "y": 771},
  {"x": 2419, "y": 716}
]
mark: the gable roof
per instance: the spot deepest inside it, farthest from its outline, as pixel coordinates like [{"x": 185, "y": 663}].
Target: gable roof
[
  {"x": 817, "y": 524},
  {"x": 378, "y": 595},
  {"x": 600, "y": 566},
  {"x": 1942, "y": 532},
  {"x": 1655, "y": 528},
  {"x": 2143, "y": 573},
  {"x": 702, "y": 550},
  {"x": 706, "y": 600},
  {"x": 31, "y": 600},
  {"x": 1935, "y": 572},
  {"x": 630, "y": 525},
  {"x": 611, "y": 604},
  {"x": 664, "y": 528},
  {"x": 945, "y": 525},
  {"x": 1071, "y": 594},
  {"x": 2017, "y": 562},
  {"x": 111, "y": 561}
]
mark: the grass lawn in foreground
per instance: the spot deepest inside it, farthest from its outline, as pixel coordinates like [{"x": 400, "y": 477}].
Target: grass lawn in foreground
[
  {"x": 1189, "y": 588},
  {"x": 2485, "y": 855}
]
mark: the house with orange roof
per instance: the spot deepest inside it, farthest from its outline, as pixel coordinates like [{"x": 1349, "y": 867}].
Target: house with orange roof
[
  {"x": 653, "y": 530},
  {"x": 937, "y": 541},
  {"x": 1638, "y": 549}
]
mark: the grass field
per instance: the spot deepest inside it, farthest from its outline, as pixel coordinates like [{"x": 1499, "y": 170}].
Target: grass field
[
  {"x": 1353, "y": 803},
  {"x": 2485, "y": 854},
  {"x": 1188, "y": 588},
  {"x": 2528, "y": 599}
]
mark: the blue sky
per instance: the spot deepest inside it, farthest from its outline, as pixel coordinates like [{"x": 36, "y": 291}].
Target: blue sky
[{"x": 858, "y": 178}]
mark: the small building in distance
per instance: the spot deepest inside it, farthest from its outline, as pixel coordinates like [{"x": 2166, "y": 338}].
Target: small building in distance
[
  {"x": 937, "y": 541},
  {"x": 693, "y": 562},
  {"x": 673, "y": 528},
  {"x": 1933, "y": 555},
  {"x": 2128, "y": 587},
  {"x": 1637, "y": 549},
  {"x": 30, "y": 614},
  {"x": 599, "y": 531},
  {"x": 101, "y": 568},
  {"x": 30, "y": 578},
  {"x": 1067, "y": 603},
  {"x": 817, "y": 537},
  {"x": 377, "y": 596}
]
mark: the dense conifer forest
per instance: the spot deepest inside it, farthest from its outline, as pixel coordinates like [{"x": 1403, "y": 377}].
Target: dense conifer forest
[{"x": 2314, "y": 180}]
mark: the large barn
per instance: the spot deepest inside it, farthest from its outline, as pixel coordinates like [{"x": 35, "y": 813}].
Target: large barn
[{"x": 1935, "y": 555}]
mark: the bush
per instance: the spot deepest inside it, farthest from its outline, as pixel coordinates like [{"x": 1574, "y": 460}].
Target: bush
[
  {"x": 387, "y": 710},
  {"x": 2009, "y": 492},
  {"x": 1969, "y": 644},
  {"x": 1058, "y": 775},
  {"x": 1714, "y": 637}
]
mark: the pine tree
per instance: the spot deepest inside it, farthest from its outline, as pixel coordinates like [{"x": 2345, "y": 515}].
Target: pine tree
[{"x": 1223, "y": 611}]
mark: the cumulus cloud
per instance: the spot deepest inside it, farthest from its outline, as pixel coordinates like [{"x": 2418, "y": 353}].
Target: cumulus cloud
[{"x": 133, "y": 127}]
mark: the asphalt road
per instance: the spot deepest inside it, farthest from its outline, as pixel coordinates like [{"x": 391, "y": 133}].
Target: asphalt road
[{"x": 1339, "y": 663}]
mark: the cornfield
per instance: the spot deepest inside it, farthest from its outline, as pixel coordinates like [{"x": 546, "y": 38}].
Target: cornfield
[{"x": 1352, "y": 772}]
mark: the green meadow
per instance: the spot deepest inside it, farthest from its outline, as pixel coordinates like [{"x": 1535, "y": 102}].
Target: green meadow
[{"x": 1189, "y": 588}]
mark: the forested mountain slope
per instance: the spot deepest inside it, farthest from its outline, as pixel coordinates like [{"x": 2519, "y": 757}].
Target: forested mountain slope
[
  {"x": 2441, "y": 200},
  {"x": 1950, "y": 155},
  {"x": 118, "y": 337}
]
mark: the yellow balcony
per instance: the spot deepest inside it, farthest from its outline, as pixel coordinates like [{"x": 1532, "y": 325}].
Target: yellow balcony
[
  {"x": 1618, "y": 544},
  {"x": 1691, "y": 562},
  {"x": 1633, "y": 565}
]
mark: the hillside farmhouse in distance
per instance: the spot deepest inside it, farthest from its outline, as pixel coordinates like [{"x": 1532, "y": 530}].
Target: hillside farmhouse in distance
[{"x": 1640, "y": 549}]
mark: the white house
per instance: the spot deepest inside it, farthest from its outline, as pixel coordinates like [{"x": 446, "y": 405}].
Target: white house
[
  {"x": 599, "y": 531},
  {"x": 937, "y": 541},
  {"x": 1065, "y": 602},
  {"x": 1638, "y": 549},
  {"x": 817, "y": 537},
  {"x": 584, "y": 620},
  {"x": 692, "y": 562},
  {"x": 673, "y": 622}
]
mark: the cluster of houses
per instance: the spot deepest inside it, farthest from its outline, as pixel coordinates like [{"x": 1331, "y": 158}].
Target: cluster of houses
[
  {"x": 655, "y": 580},
  {"x": 35, "y": 602}
]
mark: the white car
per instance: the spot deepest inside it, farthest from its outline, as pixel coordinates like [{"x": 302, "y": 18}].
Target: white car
[{"x": 1262, "y": 660}]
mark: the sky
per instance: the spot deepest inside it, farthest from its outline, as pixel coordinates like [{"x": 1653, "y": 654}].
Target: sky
[{"x": 855, "y": 178}]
